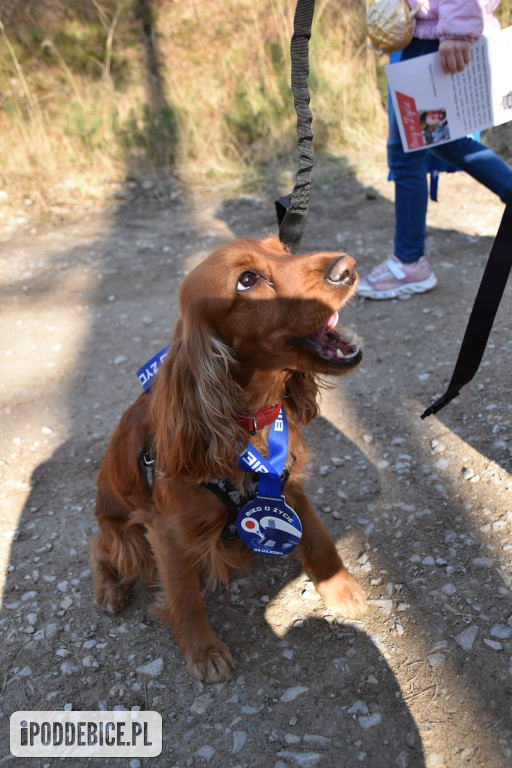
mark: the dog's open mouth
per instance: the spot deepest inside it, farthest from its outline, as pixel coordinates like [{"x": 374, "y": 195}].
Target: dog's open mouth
[{"x": 331, "y": 346}]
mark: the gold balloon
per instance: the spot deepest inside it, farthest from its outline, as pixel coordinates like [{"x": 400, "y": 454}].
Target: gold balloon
[{"x": 390, "y": 25}]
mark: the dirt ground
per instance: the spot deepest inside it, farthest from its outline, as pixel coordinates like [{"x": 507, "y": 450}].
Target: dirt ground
[{"x": 421, "y": 510}]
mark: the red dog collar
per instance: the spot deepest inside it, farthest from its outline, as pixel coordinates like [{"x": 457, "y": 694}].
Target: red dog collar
[{"x": 253, "y": 422}]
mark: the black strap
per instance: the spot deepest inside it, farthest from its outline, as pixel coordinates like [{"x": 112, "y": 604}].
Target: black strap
[
  {"x": 223, "y": 489},
  {"x": 483, "y": 313},
  {"x": 292, "y": 210}
]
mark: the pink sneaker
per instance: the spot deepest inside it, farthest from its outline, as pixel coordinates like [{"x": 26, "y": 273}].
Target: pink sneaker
[{"x": 392, "y": 279}]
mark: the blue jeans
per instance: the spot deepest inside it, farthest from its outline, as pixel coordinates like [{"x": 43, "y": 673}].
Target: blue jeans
[{"x": 409, "y": 170}]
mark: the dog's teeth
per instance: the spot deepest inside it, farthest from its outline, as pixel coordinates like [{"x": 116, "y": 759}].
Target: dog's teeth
[{"x": 339, "y": 353}]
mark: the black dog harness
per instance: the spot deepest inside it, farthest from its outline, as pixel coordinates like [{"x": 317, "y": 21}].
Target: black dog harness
[{"x": 222, "y": 488}]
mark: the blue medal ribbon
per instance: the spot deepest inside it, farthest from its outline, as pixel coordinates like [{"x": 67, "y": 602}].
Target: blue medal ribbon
[
  {"x": 147, "y": 373},
  {"x": 266, "y": 524},
  {"x": 269, "y": 469}
]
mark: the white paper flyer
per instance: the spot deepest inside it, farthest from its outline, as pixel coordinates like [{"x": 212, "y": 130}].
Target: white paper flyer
[{"x": 433, "y": 108}]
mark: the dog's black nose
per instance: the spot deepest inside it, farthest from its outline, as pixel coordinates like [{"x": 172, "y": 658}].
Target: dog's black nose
[{"x": 342, "y": 271}]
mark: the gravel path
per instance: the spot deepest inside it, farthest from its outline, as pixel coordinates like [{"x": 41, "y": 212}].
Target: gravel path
[{"x": 421, "y": 511}]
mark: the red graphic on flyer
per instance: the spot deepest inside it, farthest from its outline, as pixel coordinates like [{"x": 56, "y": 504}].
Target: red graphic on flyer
[{"x": 410, "y": 121}]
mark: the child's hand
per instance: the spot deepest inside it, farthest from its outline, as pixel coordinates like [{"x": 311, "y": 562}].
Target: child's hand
[{"x": 454, "y": 55}]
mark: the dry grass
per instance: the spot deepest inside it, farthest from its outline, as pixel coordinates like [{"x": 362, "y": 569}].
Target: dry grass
[{"x": 95, "y": 92}]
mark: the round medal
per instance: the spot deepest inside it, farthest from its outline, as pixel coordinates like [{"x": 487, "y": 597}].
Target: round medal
[{"x": 269, "y": 526}]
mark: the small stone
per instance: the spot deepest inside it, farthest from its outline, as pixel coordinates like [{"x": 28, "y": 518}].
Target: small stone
[
  {"x": 120, "y": 359},
  {"x": 385, "y": 605},
  {"x": 67, "y": 668},
  {"x": 248, "y": 710},
  {"x": 369, "y": 721},
  {"x": 302, "y": 759},
  {"x": 314, "y": 738},
  {"x": 23, "y": 672},
  {"x": 205, "y": 753},
  {"x": 466, "y": 638},
  {"x": 429, "y": 560},
  {"x": 501, "y": 631},
  {"x": 291, "y": 693},
  {"x": 153, "y": 668},
  {"x": 239, "y": 739},
  {"x": 448, "y": 589},
  {"x": 358, "y": 706},
  {"x": 436, "y": 659},
  {"x": 341, "y": 665},
  {"x": 201, "y": 704},
  {"x": 493, "y": 644}
]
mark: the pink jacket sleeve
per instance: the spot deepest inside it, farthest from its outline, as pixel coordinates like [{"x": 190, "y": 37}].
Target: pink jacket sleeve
[
  {"x": 465, "y": 19},
  {"x": 455, "y": 19}
]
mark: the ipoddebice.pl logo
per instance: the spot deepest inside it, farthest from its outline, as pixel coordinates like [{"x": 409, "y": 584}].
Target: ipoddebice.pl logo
[{"x": 86, "y": 734}]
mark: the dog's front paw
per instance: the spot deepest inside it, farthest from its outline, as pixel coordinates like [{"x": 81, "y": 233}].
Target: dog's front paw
[
  {"x": 343, "y": 595},
  {"x": 212, "y": 664}
]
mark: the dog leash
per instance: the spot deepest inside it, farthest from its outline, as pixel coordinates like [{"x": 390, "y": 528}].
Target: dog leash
[
  {"x": 292, "y": 210},
  {"x": 482, "y": 316}
]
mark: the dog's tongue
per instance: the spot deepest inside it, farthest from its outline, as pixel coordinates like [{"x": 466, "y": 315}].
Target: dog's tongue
[
  {"x": 332, "y": 321},
  {"x": 319, "y": 335}
]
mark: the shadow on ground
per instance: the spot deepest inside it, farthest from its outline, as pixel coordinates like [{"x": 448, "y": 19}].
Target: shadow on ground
[{"x": 425, "y": 679}]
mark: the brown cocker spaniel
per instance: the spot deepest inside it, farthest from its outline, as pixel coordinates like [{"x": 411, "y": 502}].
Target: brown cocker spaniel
[{"x": 257, "y": 327}]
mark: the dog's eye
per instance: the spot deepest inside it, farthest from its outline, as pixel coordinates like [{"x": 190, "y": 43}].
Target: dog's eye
[{"x": 246, "y": 281}]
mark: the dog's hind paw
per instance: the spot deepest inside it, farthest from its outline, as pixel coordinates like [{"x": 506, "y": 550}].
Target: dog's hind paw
[
  {"x": 342, "y": 594},
  {"x": 212, "y": 664},
  {"x": 112, "y": 596}
]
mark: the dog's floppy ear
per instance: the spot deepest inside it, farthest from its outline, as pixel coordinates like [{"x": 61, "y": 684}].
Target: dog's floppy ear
[
  {"x": 301, "y": 395},
  {"x": 194, "y": 405}
]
